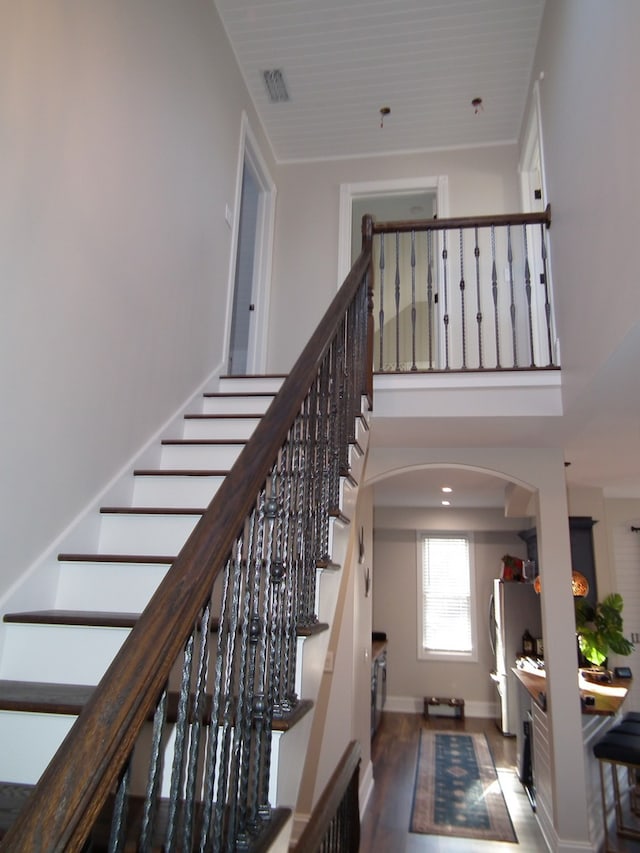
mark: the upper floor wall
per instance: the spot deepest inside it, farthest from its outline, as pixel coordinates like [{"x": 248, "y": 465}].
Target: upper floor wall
[{"x": 305, "y": 275}]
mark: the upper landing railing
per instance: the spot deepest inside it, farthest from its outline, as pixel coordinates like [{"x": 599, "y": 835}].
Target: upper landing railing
[{"x": 470, "y": 293}]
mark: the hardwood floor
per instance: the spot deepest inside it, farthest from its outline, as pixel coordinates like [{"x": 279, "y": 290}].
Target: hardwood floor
[{"x": 385, "y": 825}]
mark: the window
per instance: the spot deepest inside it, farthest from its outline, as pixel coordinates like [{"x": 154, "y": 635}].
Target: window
[{"x": 446, "y": 625}]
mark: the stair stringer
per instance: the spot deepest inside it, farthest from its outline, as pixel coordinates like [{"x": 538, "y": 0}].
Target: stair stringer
[
  {"x": 36, "y": 587},
  {"x": 312, "y": 657}
]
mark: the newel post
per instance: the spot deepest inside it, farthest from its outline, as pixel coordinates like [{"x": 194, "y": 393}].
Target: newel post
[{"x": 367, "y": 245}]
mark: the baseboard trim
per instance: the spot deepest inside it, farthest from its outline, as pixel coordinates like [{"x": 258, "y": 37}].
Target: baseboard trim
[
  {"x": 35, "y": 583},
  {"x": 415, "y": 705},
  {"x": 366, "y": 788}
]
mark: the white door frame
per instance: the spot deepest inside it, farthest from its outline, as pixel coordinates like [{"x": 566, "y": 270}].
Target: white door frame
[
  {"x": 531, "y": 170},
  {"x": 263, "y": 253},
  {"x": 349, "y": 192}
]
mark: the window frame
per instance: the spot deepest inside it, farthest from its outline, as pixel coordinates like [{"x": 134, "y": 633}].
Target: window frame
[{"x": 441, "y": 655}]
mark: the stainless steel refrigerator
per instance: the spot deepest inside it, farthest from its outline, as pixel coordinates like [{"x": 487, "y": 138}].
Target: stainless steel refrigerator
[{"x": 513, "y": 609}]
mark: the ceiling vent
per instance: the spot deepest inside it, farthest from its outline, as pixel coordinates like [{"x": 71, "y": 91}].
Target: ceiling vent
[{"x": 276, "y": 88}]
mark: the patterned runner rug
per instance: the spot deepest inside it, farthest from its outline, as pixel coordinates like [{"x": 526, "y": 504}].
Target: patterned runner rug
[{"x": 457, "y": 791}]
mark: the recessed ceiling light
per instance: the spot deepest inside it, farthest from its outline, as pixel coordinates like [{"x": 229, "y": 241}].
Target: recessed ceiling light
[
  {"x": 445, "y": 503},
  {"x": 447, "y": 489}
]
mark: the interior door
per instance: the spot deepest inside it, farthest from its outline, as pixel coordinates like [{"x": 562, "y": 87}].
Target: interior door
[{"x": 243, "y": 291}]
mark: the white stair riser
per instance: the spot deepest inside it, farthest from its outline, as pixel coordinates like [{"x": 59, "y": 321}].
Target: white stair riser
[
  {"x": 59, "y": 653},
  {"x": 236, "y": 405},
  {"x": 29, "y": 742},
  {"x": 120, "y": 587},
  {"x": 175, "y": 491},
  {"x": 250, "y": 384},
  {"x": 156, "y": 535},
  {"x": 219, "y": 428},
  {"x": 199, "y": 457}
]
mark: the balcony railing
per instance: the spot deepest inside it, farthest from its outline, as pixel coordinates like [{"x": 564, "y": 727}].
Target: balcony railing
[{"x": 471, "y": 293}]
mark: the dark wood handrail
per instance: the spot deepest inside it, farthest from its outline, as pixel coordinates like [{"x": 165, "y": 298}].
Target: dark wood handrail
[
  {"x": 327, "y": 806},
  {"x": 543, "y": 218},
  {"x": 73, "y": 789}
]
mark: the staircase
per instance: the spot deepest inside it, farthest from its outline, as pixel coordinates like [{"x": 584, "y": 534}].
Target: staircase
[{"x": 54, "y": 656}]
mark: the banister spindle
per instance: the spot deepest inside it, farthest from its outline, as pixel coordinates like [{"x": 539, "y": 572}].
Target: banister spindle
[
  {"x": 462, "y": 305},
  {"x": 381, "y": 309},
  {"x": 413, "y": 301},
  {"x": 547, "y": 301},
  {"x": 397, "y": 300},
  {"x": 512, "y": 304},
  {"x": 430, "y": 304},
  {"x": 494, "y": 293},
  {"x": 445, "y": 289},
  {"x": 527, "y": 289},
  {"x": 476, "y": 253}
]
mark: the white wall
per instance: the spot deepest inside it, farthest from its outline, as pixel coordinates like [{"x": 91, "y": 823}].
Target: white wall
[
  {"x": 624, "y": 549},
  {"x": 120, "y": 134},
  {"x": 395, "y": 602},
  {"x": 588, "y": 55},
  {"x": 481, "y": 181}
]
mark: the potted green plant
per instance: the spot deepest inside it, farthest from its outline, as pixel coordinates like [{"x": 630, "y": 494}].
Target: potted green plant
[{"x": 599, "y": 629}]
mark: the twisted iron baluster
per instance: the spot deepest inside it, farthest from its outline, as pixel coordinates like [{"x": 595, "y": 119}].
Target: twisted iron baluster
[
  {"x": 462, "y": 307},
  {"x": 430, "y": 304},
  {"x": 225, "y": 807},
  {"x": 179, "y": 749},
  {"x": 397, "y": 300},
  {"x": 527, "y": 288},
  {"x": 413, "y": 301},
  {"x": 476, "y": 253},
  {"x": 381, "y": 310},
  {"x": 117, "y": 835},
  {"x": 155, "y": 772},
  {"x": 324, "y": 471},
  {"x": 312, "y": 497},
  {"x": 446, "y": 300},
  {"x": 209, "y": 836},
  {"x": 199, "y": 699},
  {"x": 257, "y": 641},
  {"x": 494, "y": 291},
  {"x": 547, "y": 302},
  {"x": 512, "y": 305},
  {"x": 341, "y": 430},
  {"x": 273, "y": 577},
  {"x": 250, "y": 634},
  {"x": 290, "y": 558}
]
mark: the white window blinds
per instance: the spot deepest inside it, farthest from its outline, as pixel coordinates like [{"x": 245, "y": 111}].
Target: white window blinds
[{"x": 446, "y": 595}]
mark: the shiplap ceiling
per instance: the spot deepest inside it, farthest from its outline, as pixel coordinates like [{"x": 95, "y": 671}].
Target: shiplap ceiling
[{"x": 343, "y": 60}]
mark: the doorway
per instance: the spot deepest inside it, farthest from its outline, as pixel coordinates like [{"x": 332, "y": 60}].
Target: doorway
[
  {"x": 418, "y": 319},
  {"x": 251, "y": 253}
]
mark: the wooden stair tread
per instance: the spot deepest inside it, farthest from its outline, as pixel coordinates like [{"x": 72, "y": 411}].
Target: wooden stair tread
[
  {"x": 14, "y": 796},
  {"x": 44, "y": 697},
  {"x": 225, "y": 416},
  {"x": 92, "y": 618},
  {"x": 151, "y": 510},
  {"x": 142, "y": 559},
  {"x": 50, "y": 698},
  {"x": 202, "y": 442},
  {"x": 180, "y": 472},
  {"x": 310, "y": 630},
  {"x": 253, "y": 376},
  {"x": 237, "y": 394}
]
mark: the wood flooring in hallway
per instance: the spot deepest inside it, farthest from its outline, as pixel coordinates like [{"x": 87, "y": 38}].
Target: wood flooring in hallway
[{"x": 385, "y": 825}]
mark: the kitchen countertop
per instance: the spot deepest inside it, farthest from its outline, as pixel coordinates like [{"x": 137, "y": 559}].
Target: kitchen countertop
[{"x": 608, "y": 697}]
